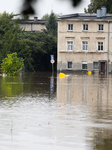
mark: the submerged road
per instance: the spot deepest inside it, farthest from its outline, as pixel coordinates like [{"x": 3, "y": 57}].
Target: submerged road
[{"x": 41, "y": 111}]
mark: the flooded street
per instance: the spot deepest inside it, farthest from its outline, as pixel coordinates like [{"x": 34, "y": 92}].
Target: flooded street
[{"x": 41, "y": 111}]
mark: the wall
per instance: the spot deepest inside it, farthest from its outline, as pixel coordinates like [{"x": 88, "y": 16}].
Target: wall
[
  {"x": 92, "y": 36},
  {"x": 32, "y": 27}
]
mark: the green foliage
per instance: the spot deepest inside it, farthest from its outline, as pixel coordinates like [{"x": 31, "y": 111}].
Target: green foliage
[
  {"x": 10, "y": 40},
  {"x": 25, "y": 52},
  {"x": 35, "y": 48},
  {"x": 12, "y": 65},
  {"x": 10, "y": 43},
  {"x": 95, "y": 4},
  {"x": 51, "y": 26},
  {"x": 8, "y": 23},
  {"x": 45, "y": 17},
  {"x": 7, "y": 26},
  {"x": 25, "y": 17},
  {"x": 42, "y": 45}
]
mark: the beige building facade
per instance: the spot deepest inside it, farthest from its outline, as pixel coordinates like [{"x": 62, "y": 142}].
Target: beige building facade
[
  {"x": 85, "y": 42},
  {"x": 35, "y": 25}
]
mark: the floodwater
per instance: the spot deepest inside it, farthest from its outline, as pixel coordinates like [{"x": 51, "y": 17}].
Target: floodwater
[{"x": 45, "y": 112}]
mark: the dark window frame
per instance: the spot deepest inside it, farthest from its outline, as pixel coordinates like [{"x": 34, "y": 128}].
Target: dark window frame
[
  {"x": 100, "y": 46},
  {"x": 100, "y": 27},
  {"x": 69, "y": 65},
  {"x": 84, "y": 66},
  {"x": 85, "y": 27},
  {"x": 70, "y": 27}
]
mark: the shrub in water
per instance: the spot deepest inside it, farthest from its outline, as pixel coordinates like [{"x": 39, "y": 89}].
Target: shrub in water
[{"x": 11, "y": 65}]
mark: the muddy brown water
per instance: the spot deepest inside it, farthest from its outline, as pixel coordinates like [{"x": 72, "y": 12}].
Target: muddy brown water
[{"x": 41, "y": 111}]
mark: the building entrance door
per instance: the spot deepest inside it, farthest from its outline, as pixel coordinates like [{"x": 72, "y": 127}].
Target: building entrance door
[{"x": 103, "y": 67}]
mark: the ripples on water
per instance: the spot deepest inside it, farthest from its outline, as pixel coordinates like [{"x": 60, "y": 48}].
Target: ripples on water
[{"x": 41, "y": 111}]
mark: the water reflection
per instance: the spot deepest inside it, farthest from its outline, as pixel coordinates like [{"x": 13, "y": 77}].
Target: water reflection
[
  {"x": 11, "y": 86},
  {"x": 51, "y": 85},
  {"x": 42, "y": 111},
  {"x": 39, "y": 84},
  {"x": 86, "y": 103},
  {"x": 28, "y": 84}
]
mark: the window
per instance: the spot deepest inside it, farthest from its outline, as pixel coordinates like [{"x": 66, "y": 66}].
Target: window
[
  {"x": 95, "y": 65},
  {"x": 100, "y": 46},
  {"x": 70, "y": 46},
  {"x": 85, "y": 27},
  {"x": 70, "y": 27},
  {"x": 84, "y": 65},
  {"x": 69, "y": 65},
  {"x": 100, "y": 27},
  {"x": 84, "y": 46}
]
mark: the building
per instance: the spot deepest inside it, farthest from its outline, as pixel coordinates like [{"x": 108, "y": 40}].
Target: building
[
  {"x": 85, "y": 42},
  {"x": 35, "y": 25}
]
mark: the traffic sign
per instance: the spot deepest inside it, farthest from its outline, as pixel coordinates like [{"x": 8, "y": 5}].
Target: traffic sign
[
  {"x": 52, "y": 57},
  {"x": 52, "y": 61}
]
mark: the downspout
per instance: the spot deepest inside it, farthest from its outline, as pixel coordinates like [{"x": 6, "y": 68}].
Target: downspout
[
  {"x": 108, "y": 60},
  {"x": 108, "y": 48},
  {"x": 31, "y": 27}
]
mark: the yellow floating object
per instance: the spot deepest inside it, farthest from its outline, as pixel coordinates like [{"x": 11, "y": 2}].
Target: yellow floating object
[
  {"x": 63, "y": 75},
  {"x": 89, "y": 72}
]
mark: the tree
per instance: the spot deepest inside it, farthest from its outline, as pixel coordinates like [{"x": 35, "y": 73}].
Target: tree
[
  {"x": 10, "y": 40},
  {"x": 8, "y": 23},
  {"x": 11, "y": 64},
  {"x": 10, "y": 43},
  {"x": 42, "y": 45},
  {"x": 45, "y": 17},
  {"x": 95, "y": 4},
  {"x": 9, "y": 30},
  {"x": 51, "y": 26},
  {"x": 25, "y": 52},
  {"x": 35, "y": 48}
]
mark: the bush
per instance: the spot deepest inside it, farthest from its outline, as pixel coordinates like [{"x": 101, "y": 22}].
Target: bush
[{"x": 11, "y": 65}]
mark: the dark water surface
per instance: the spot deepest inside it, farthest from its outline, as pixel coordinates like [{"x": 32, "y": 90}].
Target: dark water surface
[{"x": 45, "y": 112}]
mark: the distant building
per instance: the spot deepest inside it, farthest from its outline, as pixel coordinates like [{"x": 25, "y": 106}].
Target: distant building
[
  {"x": 85, "y": 42},
  {"x": 35, "y": 25}
]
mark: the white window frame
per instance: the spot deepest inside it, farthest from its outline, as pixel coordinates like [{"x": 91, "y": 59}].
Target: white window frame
[
  {"x": 70, "y": 27},
  {"x": 100, "y": 27},
  {"x": 84, "y": 63},
  {"x": 93, "y": 66},
  {"x": 101, "y": 46},
  {"x": 85, "y": 27},
  {"x": 85, "y": 45},
  {"x": 69, "y": 45},
  {"x": 71, "y": 65}
]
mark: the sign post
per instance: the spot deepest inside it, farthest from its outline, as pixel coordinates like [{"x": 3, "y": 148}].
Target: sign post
[{"x": 52, "y": 62}]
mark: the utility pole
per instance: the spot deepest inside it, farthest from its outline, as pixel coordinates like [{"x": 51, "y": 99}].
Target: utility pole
[{"x": 52, "y": 62}]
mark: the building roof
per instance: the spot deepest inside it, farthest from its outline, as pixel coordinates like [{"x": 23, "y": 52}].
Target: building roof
[
  {"x": 34, "y": 22},
  {"x": 85, "y": 17}
]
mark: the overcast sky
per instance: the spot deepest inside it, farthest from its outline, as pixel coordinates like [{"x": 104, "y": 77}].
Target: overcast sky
[{"x": 44, "y": 6}]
